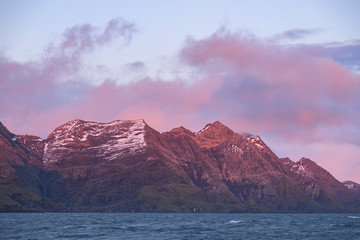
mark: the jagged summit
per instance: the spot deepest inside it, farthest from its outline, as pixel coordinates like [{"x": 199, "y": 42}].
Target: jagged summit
[
  {"x": 181, "y": 131},
  {"x": 305, "y": 167},
  {"x": 214, "y": 134},
  {"x": 214, "y": 130},
  {"x": 216, "y": 126}
]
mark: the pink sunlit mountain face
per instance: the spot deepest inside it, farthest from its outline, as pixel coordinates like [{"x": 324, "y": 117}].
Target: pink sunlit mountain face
[{"x": 126, "y": 166}]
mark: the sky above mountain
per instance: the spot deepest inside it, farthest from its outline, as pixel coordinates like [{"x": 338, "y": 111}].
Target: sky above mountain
[{"x": 285, "y": 70}]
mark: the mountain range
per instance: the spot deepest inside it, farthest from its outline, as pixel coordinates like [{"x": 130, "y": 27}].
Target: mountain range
[{"x": 127, "y": 166}]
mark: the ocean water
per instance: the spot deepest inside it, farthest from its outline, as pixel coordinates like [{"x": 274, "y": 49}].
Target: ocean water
[{"x": 178, "y": 226}]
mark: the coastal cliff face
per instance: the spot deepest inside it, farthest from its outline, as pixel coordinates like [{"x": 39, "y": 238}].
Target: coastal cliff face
[{"x": 126, "y": 166}]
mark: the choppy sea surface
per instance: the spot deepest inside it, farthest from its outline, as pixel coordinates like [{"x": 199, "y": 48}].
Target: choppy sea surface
[{"x": 178, "y": 226}]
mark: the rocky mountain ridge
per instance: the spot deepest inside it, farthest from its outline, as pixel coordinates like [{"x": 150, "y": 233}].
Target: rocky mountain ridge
[{"x": 126, "y": 166}]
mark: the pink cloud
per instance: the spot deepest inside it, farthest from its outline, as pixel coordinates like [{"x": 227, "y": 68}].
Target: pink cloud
[{"x": 274, "y": 90}]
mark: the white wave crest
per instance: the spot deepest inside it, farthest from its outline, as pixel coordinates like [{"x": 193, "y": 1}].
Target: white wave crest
[{"x": 235, "y": 221}]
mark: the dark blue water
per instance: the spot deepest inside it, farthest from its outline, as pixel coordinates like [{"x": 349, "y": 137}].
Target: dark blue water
[{"x": 178, "y": 226}]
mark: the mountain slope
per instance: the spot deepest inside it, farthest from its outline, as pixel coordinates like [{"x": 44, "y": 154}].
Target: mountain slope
[
  {"x": 230, "y": 167},
  {"x": 18, "y": 176},
  {"x": 320, "y": 184}
]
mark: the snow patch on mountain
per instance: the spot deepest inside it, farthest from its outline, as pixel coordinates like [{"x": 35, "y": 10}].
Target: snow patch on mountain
[
  {"x": 205, "y": 128},
  {"x": 300, "y": 167},
  {"x": 351, "y": 185},
  {"x": 235, "y": 149},
  {"x": 256, "y": 140}
]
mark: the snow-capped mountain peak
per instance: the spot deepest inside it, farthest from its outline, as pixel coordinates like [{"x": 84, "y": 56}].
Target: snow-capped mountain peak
[{"x": 108, "y": 140}]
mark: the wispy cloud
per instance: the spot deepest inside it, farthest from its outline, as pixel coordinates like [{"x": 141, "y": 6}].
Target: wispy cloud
[
  {"x": 296, "y": 34},
  {"x": 136, "y": 66}
]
